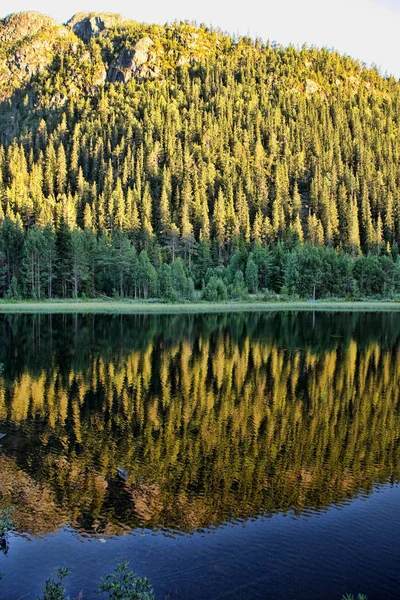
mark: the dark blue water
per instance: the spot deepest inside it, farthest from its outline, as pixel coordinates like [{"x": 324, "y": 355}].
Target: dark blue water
[{"x": 354, "y": 548}]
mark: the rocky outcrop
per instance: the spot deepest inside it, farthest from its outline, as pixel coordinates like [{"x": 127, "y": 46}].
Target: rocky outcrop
[
  {"x": 134, "y": 62},
  {"x": 18, "y": 26},
  {"x": 29, "y": 42},
  {"x": 311, "y": 87},
  {"x": 187, "y": 40},
  {"x": 89, "y": 25},
  {"x": 33, "y": 58},
  {"x": 182, "y": 61}
]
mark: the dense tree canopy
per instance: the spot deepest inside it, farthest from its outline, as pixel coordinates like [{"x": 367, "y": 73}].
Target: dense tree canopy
[{"x": 215, "y": 146}]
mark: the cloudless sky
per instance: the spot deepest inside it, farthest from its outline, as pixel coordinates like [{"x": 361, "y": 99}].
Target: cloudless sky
[{"x": 365, "y": 29}]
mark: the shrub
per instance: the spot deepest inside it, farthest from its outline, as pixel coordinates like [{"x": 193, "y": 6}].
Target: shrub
[
  {"x": 123, "y": 585},
  {"x": 54, "y": 587},
  {"x": 238, "y": 289},
  {"x": 269, "y": 295},
  {"x": 215, "y": 290}
]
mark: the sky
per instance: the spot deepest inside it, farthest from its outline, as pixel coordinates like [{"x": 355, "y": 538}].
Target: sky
[{"x": 368, "y": 30}]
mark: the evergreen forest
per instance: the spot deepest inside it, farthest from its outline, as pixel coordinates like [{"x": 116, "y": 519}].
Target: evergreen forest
[{"x": 177, "y": 161}]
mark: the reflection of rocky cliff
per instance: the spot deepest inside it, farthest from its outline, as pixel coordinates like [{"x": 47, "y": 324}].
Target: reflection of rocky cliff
[
  {"x": 212, "y": 418},
  {"x": 35, "y": 507}
]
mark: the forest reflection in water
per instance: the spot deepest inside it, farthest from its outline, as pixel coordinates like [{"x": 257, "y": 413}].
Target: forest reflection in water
[{"x": 214, "y": 417}]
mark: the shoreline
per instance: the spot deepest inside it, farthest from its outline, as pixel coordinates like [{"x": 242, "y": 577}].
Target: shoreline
[{"x": 146, "y": 307}]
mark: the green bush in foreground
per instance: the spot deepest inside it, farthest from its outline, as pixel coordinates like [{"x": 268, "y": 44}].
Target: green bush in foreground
[
  {"x": 119, "y": 585},
  {"x": 54, "y": 587},
  {"x": 123, "y": 585}
]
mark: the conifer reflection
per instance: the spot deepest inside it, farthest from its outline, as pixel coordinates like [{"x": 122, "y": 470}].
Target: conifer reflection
[{"x": 214, "y": 417}]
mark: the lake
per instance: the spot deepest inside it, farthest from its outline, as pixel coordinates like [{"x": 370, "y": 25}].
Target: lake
[{"x": 245, "y": 456}]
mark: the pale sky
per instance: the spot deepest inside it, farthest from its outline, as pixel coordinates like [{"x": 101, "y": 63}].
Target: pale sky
[{"x": 365, "y": 29}]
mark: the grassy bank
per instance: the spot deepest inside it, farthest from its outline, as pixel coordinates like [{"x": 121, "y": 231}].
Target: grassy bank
[{"x": 143, "y": 307}]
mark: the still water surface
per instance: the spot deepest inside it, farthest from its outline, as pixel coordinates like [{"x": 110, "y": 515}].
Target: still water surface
[{"x": 259, "y": 453}]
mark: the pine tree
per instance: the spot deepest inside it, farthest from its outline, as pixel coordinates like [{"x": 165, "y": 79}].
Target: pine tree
[
  {"x": 220, "y": 223},
  {"x": 251, "y": 274},
  {"x": 63, "y": 267},
  {"x": 49, "y": 260},
  {"x": 61, "y": 170},
  {"x": 79, "y": 260}
]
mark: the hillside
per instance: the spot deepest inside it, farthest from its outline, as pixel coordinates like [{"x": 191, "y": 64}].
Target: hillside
[{"x": 119, "y": 137}]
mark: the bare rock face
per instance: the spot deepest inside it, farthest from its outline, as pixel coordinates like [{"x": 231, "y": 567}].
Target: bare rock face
[
  {"x": 188, "y": 40},
  {"x": 29, "y": 42},
  {"x": 135, "y": 62},
  {"x": 182, "y": 61},
  {"x": 30, "y": 60},
  {"x": 311, "y": 87},
  {"x": 18, "y": 26},
  {"x": 89, "y": 25}
]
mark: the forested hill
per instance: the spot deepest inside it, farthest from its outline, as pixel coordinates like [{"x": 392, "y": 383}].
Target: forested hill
[{"x": 120, "y": 138}]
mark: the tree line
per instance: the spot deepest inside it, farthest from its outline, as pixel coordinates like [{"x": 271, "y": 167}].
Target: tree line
[{"x": 52, "y": 263}]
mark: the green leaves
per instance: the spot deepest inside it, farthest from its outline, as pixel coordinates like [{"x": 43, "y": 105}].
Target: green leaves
[
  {"x": 54, "y": 587},
  {"x": 215, "y": 290},
  {"x": 122, "y": 584}
]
